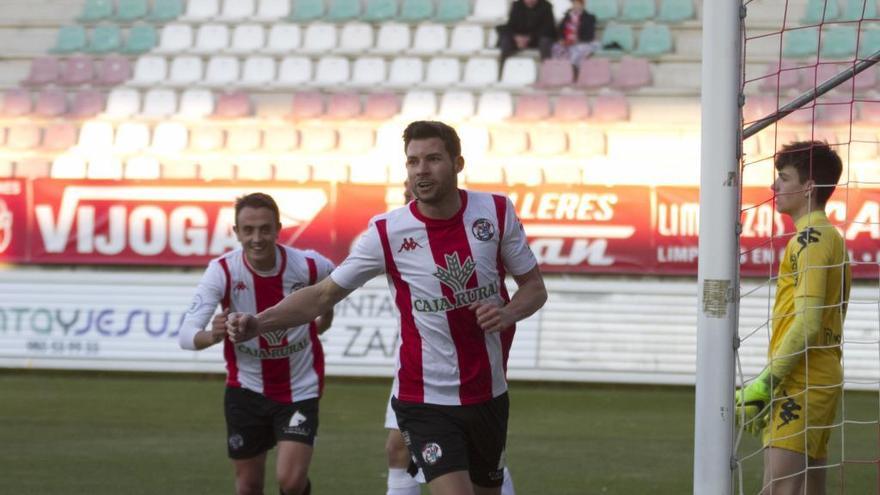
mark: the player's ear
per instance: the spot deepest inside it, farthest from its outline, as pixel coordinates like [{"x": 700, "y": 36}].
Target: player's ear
[{"x": 459, "y": 163}]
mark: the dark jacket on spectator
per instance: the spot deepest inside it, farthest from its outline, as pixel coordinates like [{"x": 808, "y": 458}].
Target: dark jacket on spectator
[
  {"x": 586, "y": 29},
  {"x": 537, "y": 21}
]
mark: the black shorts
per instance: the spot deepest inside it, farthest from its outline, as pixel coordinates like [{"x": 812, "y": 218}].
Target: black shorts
[
  {"x": 255, "y": 423},
  {"x": 445, "y": 439}
]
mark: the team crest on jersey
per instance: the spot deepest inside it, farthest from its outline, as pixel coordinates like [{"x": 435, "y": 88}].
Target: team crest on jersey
[
  {"x": 483, "y": 229},
  {"x": 431, "y": 453}
]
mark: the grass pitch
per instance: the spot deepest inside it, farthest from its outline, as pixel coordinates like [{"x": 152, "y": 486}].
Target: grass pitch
[{"x": 165, "y": 434}]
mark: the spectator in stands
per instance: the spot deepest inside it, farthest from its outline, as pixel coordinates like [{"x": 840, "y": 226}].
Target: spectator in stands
[
  {"x": 577, "y": 34},
  {"x": 530, "y": 25}
]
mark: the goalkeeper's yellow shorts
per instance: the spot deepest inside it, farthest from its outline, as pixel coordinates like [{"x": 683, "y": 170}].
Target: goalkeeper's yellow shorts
[{"x": 799, "y": 425}]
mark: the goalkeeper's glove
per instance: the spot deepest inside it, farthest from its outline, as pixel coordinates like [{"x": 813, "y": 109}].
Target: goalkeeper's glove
[{"x": 752, "y": 403}]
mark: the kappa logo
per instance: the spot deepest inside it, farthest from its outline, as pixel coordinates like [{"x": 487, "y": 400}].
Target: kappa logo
[
  {"x": 808, "y": 236},
  {"x": 789, "y": 411},
  {"x": 239, "y": 286},
  {"x": 5, "y": 226},
  {"x": 409, "y": 244}
]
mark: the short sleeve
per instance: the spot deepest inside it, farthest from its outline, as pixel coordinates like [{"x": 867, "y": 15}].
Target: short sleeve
[
  {"x": 323, "y": 264},
  {"x": 204, "y": 303},
  {"x": 515, "y": 252},
  {"x": 367, "y": 260},
  {"x": 814, "y": 258}
]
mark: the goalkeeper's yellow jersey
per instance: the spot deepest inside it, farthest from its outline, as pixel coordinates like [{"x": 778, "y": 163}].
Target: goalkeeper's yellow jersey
[{"x": 815, "y": 264}]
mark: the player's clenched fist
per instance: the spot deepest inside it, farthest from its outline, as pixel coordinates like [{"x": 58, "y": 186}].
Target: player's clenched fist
[
  {"x": 218, "y": 326},
  {"x": 241, "y": 327},
  {"x": 491, "y": 317}
]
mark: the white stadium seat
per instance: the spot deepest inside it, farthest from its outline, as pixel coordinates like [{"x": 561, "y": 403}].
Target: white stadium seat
[
  {"x": 159, "y": 102},
  {"x": 247, "y": 38},
  {"x": 331, "y": 72},
  {"x": 149, "y": 70},
  {"x": 258, "y": 71},
  {"x": 185, "y": 70},
  {"x": 355, "y": 38},
  {"x": 122, "y": 103},
  {"x": 211, "y": 38},
  {"x": 368, "y": 72},
  {"x": 283, "y": 38},
  {"x": 175, "y": 38},
  {"x": 393, "y": 38},
  {"x": 405, "y": 72},
  {"x": 319, "y": 38},
  {"x": 222, "y": 71},
  {"x": 429, "y": 39},
  {"x": 442, "y": 72},
  {"x": 294, "y": 72}
]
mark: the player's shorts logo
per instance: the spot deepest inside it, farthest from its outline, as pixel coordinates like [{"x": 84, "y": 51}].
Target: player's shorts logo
[
  {"x": 236, "y": 442},
  {"x": 297, "y": 419},
  {"x": 483, "y": 229},
  {"x": 789, "y": 411},
  {"x": 5, "y": 226},
  {"x": 432, "y": 453}
]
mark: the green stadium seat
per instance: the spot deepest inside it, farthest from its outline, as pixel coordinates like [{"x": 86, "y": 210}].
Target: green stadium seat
[
  {"x": 105, "y": 39},
  {"x": 604, "y": 10},
  {"x": 654, "y": 40},
  {"x": 869, "y": 42},
  {"x": 839, "y": 42},
  {"x": 638, "y": 10},
  {"x": 800, "y": 42},
  {"x": 141, "y": 39},
  {"x": 70, "y": 39},
  {"x": 818, "y": 11},
  {"x": 451, "y": 11},
  {"x": 343, "y": 10},
  {"x": 855, "y": 10},
  {"x": 96, "y": 10},
  {"x": 416, "y": 10},
  {"x": 380, "y": 10},
  {"x": 307, "y": 10},
  {"x": 621, "y": 34},
  {"x": 676, "y": 10},
  {"x": 166, "y": 10},
  {"x": 130, "y": 10}
]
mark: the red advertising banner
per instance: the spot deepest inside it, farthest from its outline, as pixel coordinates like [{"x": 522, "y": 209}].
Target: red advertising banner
[{"x": 578, "y": 229}]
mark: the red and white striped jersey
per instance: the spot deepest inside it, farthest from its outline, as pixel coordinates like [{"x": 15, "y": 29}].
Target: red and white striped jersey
[
  {"x": 436, "y": 269},
  {"x": 285, "y": 365}
]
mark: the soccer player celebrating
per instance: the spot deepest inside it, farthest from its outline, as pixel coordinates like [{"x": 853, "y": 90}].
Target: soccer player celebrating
[
  {"x": 792, "y": 403},
  {"x": 445, "y": 255},
  {"x": 273, "y": 383}
]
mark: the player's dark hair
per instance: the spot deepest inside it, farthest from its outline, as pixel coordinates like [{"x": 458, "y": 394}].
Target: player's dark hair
[
  {"x": 256, "y": 200},
  {"x": 813, "y": 160},
  {"x": 426, "y": 129}
]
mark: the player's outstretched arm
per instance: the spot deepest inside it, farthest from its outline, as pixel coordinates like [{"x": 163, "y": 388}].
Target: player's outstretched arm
[
  {"x": 296, "y": 309},
  {"x": 530, "y": 297}
]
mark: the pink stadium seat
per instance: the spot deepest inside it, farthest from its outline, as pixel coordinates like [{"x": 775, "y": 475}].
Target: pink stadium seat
[
  {"x": 786, "y": 78},
  {"x": 32, "y": 168},
  {"x": 610, "y": 107},
  {"x": 87, "y": 103},
  {"x": 51, "y": 103},
  {"x": 206, "y": 139},
  {"x": 23, "y": 137},
  {"x": 532, "y": 107},
  {"x": 758, "y": 107},
  {"x": 834, "y": 113},
  {"x": 381, "y": 106},
  {"x": 555, "y": 73},
  {"x": 112, "y": 71},
  {"x": 77, "y": 71},
  {"x": 307, "y": 105},
  {"x": 44, "y": 70},
  {"x": 594, "y": 72},
  {"x": 864, "y": 80},
  {"x": 60, "y": 136},
  {"x": 571, "y": 108},
  {"x": 344, "y": 106},
  {"x": 233, "y": 105},
  {"x": 632, "y": 73},
  {"x": 16, "y": 102},
  {"x": 869, "y": 112}
]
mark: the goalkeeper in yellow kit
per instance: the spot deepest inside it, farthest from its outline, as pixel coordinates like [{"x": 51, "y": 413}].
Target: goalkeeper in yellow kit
[{"x": 792, "y": 403}]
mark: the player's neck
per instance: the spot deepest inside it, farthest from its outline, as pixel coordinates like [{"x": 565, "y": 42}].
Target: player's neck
[
  {"x": 803, "y": 212},
  {"x": 264, "y": 266},
  {"x": 444, "y": 209}
]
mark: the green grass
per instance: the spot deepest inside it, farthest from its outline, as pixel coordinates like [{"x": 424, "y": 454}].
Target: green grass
[{"x": 164, "y": 434}]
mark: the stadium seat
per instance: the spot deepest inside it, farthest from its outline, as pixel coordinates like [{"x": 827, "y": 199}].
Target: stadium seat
[
  {"x": 142, "y": 167},
  {"x": 211, "y": 39},
  {"x": 95, "y": 137},
  {"x": 201, "y": 10},
  {"x": 555, "y": 74},
  {"x": 869, "y": 42},
  {"x": 141, "y": 39},
  {"x": 637, "y": 10},
  {"x": 78, "y": 70},
  {"x": 571, "y": 108},
  {"x": 393, "y": 38},
  {"x": 24, "y": 136},
  {"x": 222, "y": 71},
  {"x": 456, "y": 106},
  {"x": 342, "y": 106},
  {"x": 169, "y": 138},
  {"x": 283, "y": 38},
  {"x": 319, "y": 38},
  {"x": 518, "y": 72},
  {"x": 509, "y": 140},
  {"x": 104, "y": 167},
  {"x": 484, "y": 172},
  {"x": 51, "y": 103},
  {"x": 16, "y": 102},
  {"x": 105, "y": 39},
  {"x": 418, "y": 105},
  {"x": 44, "y": 70},
  {"x": 258, "y": 71},
  {"x": 112, "y": 71},
  {"x": 380, "y": 10},
  {"x": 531, "y": 107},
  {"x": 518, "y": 172},
  {"x": 247, "y": 38},
  {"x": 321, "y": 139},
  {"x": 839, "y": 42},
  {"x": 654, "y": 40},
  {"x": 604, "y": 10},
  {"x": 272, "y": 10},
  {"x": 413, "y": 11},
  {"x": 368, "y": 72},
  {"x": 87, "y": 104},
  {"x": 355, "y": 38},
  {"x": 236, "y": 10},
  {"x": 122, "y": 103},
  {"x": 159, "y": 103},
  {"x": 59, "y": 136},
  {"x": 233, "y": 105},
  {"x": 835, "y": 114},
  {"x": 257, "y": 167},
  {"x": 206, "y": 139},
  {"x": 452, "y": 11},
  {"x": 429, "y": 39},
  {"x": 196, "y": 103},
  {"x": 280, "y": 139},
  {"x": 495, "y": 106},
  {"x": 798, "y": 43},
  {"x": 241, "y": 139},
  {"x": 622, "y": 34},
  {"x": 343, "y": 10},
  {"x": 294, "y": 72},
  {"x": 131, "y": 10},
  {"x": 96, "y": 10},
  {"x": 185, "y": 70},
  {"x": 781, "y": 76},
  {"x": 307, "y": 10},
  {"x": 855, "y": 10},
  {"x": 68, "y": 167},
  {"x": 676, "y": 10},
  {"x": 489, "y": 11},
  {"x": 586, "y": 141},
  {"x": 70, "y": 39},
  {"x": 632, "y": 73},
  {"x": 442, "y": 72},
  {"x": 307, "y": 105},
  {"x": 358, "y": 139},
  {"x": 550, "y": 140},
  {"x": 405, "y": 72},
  {"x": 818, "y": 11},
  {"x": 292, "y": 169},
  {"x": 175, "y": 38},
  {"x": 565, "y": 172},
  {"x": 166, "y": 10},
  {"x": 610, "y": 107},
  {"x": 131, "y": 137},
  {"x": 381, "y": 106},
  {"x": 331, "y": 72},
  {"x": 594, "y": 72}
]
